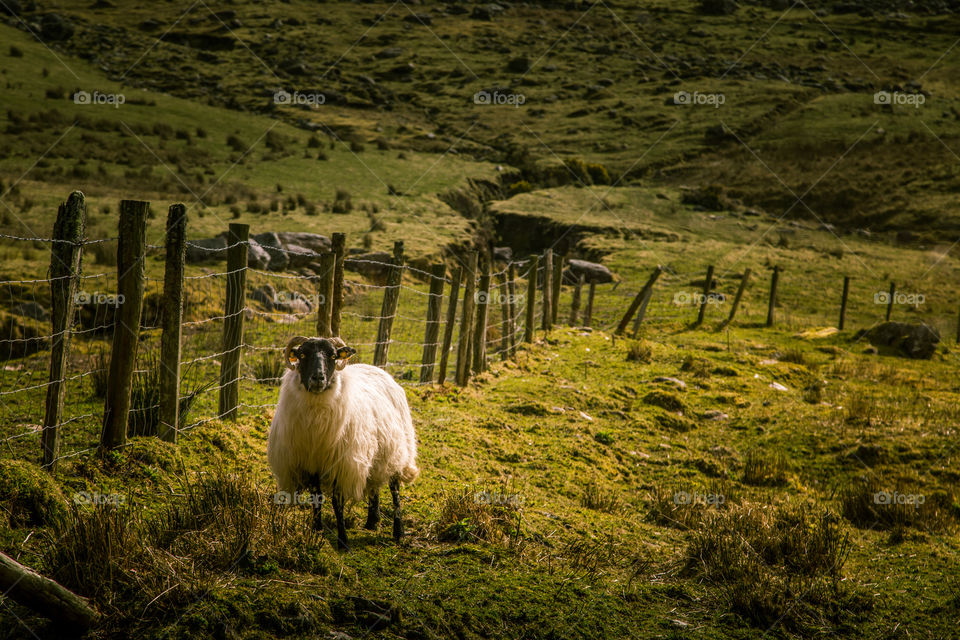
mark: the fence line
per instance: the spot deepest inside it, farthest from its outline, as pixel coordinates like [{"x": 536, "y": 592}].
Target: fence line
[{"x": 277, "y": 305}]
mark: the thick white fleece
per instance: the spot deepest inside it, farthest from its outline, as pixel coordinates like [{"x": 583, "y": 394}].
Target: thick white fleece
[{"x": 356, "y": 435}]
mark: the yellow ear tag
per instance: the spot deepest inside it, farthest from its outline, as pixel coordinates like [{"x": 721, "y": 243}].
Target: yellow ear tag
[{"x": 344, "y": 353}]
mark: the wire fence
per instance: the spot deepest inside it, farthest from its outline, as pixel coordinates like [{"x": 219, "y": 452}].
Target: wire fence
[{"x": 281, "y": 304}]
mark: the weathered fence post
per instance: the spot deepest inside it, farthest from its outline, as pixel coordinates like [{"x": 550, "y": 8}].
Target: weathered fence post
[
  {"x": 531, "y": 297},
  {"x": 449, "y": 326},
  {"x": 774, "y": 280},
  {"x": 958, "y": 327},
  {"x": 388, "y": 310},
  {"x": 641, "y": 313},
  {"x": 638, "y": 300},
  {"x": 46, "y": 597},
  {"x": 123, "y": 355},
  {"x": 575, "y": 304},
  {"x": 480, "y": 331},
  {"x": 64, "y": 275},
  {"x": 890, "y": 298},
  {"x": 547, "y": 321},
  {"x": 707, "y": 286},
  {"x": 434, "y": 309},
  {"x": 328, "y": 265},
  {"x": 512, "y": 306},
  {"x": 843, "y": 302},
  {"x": 588, "y": 314},
  {"x": 557, "y": 281},
  {"x": 237, "y": 248},
  {"x": 737, "y": 297},
  {"x": 506, "y": 320},
  {"x": 171, "y": 319},
  {"x": 339, "y": 246},
  {"x": 466, "y": 321}
]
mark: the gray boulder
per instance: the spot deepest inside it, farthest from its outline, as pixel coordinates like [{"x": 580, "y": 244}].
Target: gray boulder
[
  {"x": 592, "y": 272},
  {"x": 502, "y": 254},
  {"x": 374, "y": 265},
  {"x": 272, "y": 245},
  {"x": 257, "y": 256},
  {"x": 206, "y": 250},
  {"x": 906, "y": 339}
]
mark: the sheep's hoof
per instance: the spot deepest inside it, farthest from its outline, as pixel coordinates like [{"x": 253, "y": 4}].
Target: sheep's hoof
[
  {"x": 372, "y": 524},
  {"x": 397, "y": 530}
]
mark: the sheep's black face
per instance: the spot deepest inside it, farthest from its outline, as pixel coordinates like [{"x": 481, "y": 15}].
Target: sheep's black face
[{"x": 317, "y": 363}]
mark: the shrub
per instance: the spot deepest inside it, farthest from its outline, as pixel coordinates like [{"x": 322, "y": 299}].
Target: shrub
[
  {"x": 639, "y": 352},
  {"x": 765, "y": 470}
]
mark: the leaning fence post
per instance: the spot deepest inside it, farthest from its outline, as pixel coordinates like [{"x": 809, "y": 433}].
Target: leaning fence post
[
  {"x": 736, "y": 298},
  {"x": 638, "y": 300},
  {"x": 641, "y": 313},
  {"x": 339, "y": 246},
  {"x": 388, "y": 310},
  {"x": 575, "y": 304},
  {"x": 557, "y": 281},
  {"x": 890, "y": 298},
  {"x": 434, "y": 309},
  {"x": 451, "y": 321},
  {"x": 171, "y": 319},
  {"x": 480, "y": 331},
  {"x": 547, "y": 322},
  {"x": 707, "y": 285},
  {"x": 123, "y": 355},
  {"x": 531, "y": 297},
  {"x": 466, "y": 321},
  {"x": 328, "y": 264},
  {"x": 64, "y": 275},
  {"x": 774, "y": 280},
  {"x": 588, "y": 314},
  {"x": 237, "y": 242},
  {"x": 843, "y": 302}
]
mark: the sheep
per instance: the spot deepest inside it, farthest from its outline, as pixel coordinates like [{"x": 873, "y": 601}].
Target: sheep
[{"x": 345, "y": 430}]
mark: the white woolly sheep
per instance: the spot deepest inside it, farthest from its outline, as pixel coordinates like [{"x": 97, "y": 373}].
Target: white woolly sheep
[{"x": 345, "y": 430}]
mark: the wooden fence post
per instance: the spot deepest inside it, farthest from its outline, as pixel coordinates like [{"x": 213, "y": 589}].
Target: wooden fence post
[
  {"x": 641, "y": 313},
  {"x": 547, "y": 321},
  {"x": 328, "y": 266},
  {"x": 557, "y": 281},
  {"x": 434, "y": 309},
  {"x": 774, "y": 280},
  {"x": 588, "y": 314},
  {"x": 575, "y": 304},
  {"x": 506, "y": 320},
  {"x": 736, "y": 298},
  {"x": 449, "y": 326},
  {"x": 480, "y": 331},
  {"x": 707, "y": 286},
  {"x": 339, "y": 246},
  {"x": 638, "y": 300},
  {"x": 123, "y": 355},
  {"x": 46, "y": 597},
  {"x": 890, "y": 298},
  {"x": 512, "y": 306},
  {"x": 64, "y": 276},
  {"x": 237, "y": 248},
  {"x": 466, "y": 321},
  {"x": 843, "y": 302},
  {"x": 388, "y": 310},
  {"x": 171, "y": 320},
  {"x": 531, "y": 297}
]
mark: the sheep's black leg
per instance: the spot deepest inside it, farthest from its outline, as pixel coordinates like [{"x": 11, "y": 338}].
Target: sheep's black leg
[
  {"x": 373, "y": 512},
  {"x": 397, "y": 522},
  {"x": 338, "y": 511}
]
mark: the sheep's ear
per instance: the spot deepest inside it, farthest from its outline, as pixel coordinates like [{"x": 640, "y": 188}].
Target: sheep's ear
[
  {"x": 293, "y": 357},
  {"x": 345, "y": 352}
]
